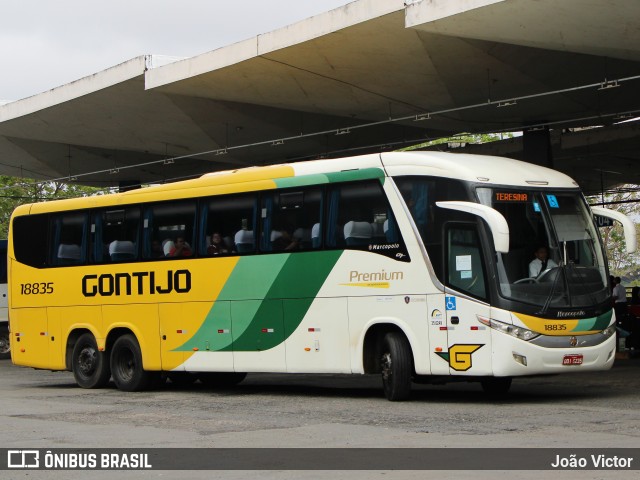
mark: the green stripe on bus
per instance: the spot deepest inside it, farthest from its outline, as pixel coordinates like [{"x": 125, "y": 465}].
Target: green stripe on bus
[
  {"x": 321, "y": 178},
  {"x": 251, "y": 278},
  {"x": 594, "y": 324},
  {"x": 253, "y": 297},
  {"x": 352, "y": 175},
  {"x": 300, "y": 279},
  {"x": 302, "y": 181}
]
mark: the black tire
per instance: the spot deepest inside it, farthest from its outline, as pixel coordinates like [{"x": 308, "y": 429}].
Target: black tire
[
  {"x": 90, "y": 366},
  {"x": 496, "y": 387},
  {"x": 126, "y": 366},
  {"x": 396, "y": 366},
  {"x": 221, "y": 379},
  {"x": 5, "y": 343}
]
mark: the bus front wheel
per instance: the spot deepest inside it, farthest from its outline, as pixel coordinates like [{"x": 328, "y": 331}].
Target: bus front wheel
[
  {"x": 396, "y": 367},
  {"x": 90, "y": 366},
  {"x": 126, "y": 365}
]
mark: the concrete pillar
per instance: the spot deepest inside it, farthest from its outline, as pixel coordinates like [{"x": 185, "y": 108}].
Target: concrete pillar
[{"x": 536, "y": 146}]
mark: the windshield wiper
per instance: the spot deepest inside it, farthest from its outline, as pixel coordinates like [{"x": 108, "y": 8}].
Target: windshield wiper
[
  {"x": 547, "y": 302},
  {"x": 560, "y": 272}
]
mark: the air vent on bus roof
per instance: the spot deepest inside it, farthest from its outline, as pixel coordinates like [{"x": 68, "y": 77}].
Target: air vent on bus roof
[{"x": 537, "y": 182}]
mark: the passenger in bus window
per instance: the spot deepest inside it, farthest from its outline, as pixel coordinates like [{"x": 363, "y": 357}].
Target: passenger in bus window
[
  {"x": 180, "y": 249},
  {"x": 216, "y": 245},
  {"x": 283, "y": 241},
  {"x": 156, "y": 249},
  {"x": 167, "y": 246},
  {"x": 303, "y": 237}
]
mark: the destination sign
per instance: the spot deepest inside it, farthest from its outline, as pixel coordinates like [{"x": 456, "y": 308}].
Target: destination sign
[{"x": 511, "y": 197}]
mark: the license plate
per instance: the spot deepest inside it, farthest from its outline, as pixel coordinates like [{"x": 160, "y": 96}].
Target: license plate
[{"x": 572, "y": 360}]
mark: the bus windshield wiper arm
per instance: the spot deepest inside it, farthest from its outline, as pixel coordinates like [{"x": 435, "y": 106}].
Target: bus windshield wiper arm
[
  {"x": 545, "y": 308},
  {"x": 561, "y": 271}
]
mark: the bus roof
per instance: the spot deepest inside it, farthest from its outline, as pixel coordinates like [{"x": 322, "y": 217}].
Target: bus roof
[
  {"x": 476, "y": 168},
  {"x": 473, "y": 168}
]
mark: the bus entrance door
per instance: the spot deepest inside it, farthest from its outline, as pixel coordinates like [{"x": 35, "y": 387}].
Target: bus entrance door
[{"x": 469, "y": 350}]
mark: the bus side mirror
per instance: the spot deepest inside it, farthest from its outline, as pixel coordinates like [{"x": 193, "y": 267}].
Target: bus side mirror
[
  {"x": 628, "y": 226},
  {"x": 497, "y": 223}
]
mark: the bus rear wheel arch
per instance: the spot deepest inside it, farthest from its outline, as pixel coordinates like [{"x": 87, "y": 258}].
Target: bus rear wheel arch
[{"x": 89, "y": 365}]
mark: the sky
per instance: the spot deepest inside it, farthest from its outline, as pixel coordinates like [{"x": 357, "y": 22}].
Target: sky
[{"x": 45, "y": 43}]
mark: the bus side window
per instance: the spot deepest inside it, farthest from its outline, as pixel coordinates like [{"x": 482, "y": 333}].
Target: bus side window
[
  {"x": 232, "y": 219},
  {"x": 357, "y": 215},
  {"x": 70, "y": 238},
  {"x": 169, "y": 230},
  {"x": 30, "y": 238},
  {"x": 115, "y": 235},
  {"x": 420, "y": 195},
  {"x": 288, "y": 219}
]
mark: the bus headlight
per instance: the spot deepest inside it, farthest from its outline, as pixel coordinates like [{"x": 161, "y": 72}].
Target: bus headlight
[
  {"x": 513, "y": 330},
  {"x": 610, "y": 330}
]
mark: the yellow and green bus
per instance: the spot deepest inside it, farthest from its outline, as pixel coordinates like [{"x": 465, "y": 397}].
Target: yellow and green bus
[
  {"x": 5, "y": 344},
  {"x": 410, "y": 265}
]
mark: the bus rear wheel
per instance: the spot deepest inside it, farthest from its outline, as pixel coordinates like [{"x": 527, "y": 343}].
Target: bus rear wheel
[
  {"x": 90, "y": 366},
  {"x": 5, "y": 344},
  {"x": 396, "y": 367},
  {"x": 126, "y": 365}
]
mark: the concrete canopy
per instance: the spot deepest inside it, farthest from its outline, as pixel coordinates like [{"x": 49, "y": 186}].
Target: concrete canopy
[{"x": 350, "y": 81}]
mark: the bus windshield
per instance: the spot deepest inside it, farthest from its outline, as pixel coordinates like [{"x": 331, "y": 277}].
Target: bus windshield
[{"x": 554, "y": 260}]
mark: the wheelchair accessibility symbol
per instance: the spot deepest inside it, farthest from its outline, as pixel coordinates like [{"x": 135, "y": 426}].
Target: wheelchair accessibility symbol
[{"x": 450, "y": 303}]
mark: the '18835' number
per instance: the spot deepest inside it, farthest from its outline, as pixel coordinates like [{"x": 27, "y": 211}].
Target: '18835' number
[{"x": 36, "y": 288}]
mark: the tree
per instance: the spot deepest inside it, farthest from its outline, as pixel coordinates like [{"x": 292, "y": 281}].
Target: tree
[
  {"x": 625, "y": 199},
  {"x": 18, "y": 191},
  {"x": 461, "y": 140}
]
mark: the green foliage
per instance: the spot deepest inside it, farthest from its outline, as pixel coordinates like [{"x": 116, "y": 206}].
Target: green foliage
[
  {"x": 621, "y": 263},
  {"x": 18, "y": 191},
  {"x": 461, "y": 140}
]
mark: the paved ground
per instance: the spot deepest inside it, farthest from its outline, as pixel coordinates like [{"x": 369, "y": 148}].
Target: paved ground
[{"x": 43, "y": 409}]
